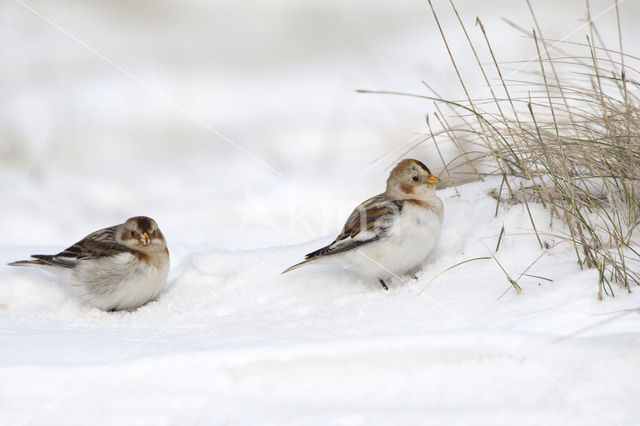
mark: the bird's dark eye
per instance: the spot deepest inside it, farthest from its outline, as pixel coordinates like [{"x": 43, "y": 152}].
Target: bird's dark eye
[
  {"x": 416, "y": 178},
  {"x": 133, "y": 234}
]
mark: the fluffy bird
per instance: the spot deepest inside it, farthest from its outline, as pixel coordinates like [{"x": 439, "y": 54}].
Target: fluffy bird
[
  {"x": 390, "y": 234},
  {"x": 120, "y": 267}
]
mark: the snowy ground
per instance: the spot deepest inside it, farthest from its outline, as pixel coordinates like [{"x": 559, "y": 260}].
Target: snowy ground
[{"x": 230, "y": 340}]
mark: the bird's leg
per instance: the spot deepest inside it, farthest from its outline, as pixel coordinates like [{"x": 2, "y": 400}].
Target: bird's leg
[{"x": 383, "y": 283}]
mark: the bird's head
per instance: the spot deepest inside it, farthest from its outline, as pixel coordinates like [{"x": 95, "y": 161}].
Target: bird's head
[
  {"x": 142, "y": 233},
  {"x": 411, "y": 179}
]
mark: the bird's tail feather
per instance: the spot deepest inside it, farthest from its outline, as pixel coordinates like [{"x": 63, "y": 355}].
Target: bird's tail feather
[
  {"x": 35, "y": 262},
  {"x": 298, "y": 265}
]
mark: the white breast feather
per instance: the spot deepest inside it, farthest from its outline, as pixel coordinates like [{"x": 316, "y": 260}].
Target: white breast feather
[{"x": 118, "y": 282}]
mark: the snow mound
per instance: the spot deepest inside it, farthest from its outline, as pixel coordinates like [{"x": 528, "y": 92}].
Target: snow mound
[{"x": 232, "y": 340}]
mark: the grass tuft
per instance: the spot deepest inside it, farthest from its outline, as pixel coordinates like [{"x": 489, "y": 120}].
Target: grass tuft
[{"x": 570, "y": 130}]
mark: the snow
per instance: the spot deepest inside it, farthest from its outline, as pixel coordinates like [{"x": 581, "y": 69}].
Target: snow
[{"x": 230, "y": 340}]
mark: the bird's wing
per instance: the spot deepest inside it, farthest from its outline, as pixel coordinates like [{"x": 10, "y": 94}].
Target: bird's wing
[
  {"x": 367, "y": 223},
  {"x": 96, "y": 245}
]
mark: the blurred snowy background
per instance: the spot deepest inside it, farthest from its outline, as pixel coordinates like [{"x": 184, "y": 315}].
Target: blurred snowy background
[
  {"x": 231, "y": 123},
  {"x": 236, "y": 125}
]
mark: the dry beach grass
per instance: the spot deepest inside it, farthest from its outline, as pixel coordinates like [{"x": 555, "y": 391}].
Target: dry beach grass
[{"x": 562, "y": 130}]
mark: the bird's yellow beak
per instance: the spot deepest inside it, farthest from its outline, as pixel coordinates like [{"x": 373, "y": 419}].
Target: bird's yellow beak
[
  {"x": 432, "y": 180},
  {"x": 144, "y": 239}
]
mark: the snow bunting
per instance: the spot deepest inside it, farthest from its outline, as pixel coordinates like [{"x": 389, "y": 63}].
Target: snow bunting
[
  {"x": 120, "y": 267},
  {"x": 392, "y": 233}
]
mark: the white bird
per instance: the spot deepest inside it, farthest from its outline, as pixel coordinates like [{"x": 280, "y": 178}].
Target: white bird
[
  {"x": 391, "y": 234},
  {"x": 120, "y": 267}
]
